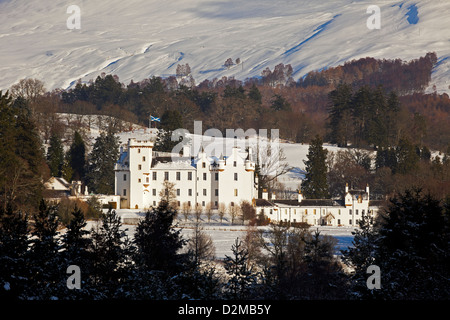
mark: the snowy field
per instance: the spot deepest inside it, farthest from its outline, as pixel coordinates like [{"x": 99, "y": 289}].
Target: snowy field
[
  {"x": 224, "y": 234},
  {"x": 138, "y": 39}
]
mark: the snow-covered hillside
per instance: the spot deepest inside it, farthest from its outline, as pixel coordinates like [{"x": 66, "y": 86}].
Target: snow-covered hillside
[{"x": 137, "y": 39}]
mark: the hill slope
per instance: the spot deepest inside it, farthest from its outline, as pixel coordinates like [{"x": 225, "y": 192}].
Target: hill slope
[{"x": 136, "y": 39}]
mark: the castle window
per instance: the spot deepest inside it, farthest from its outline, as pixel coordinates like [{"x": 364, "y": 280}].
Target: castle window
[
  {"x": 139, "y": 150},
  {"x": 124, "y": 192},
  {"x": 217, "y": 192},
  {"x": 204, "y": 192},
  {"x": 189, "y": 175},
  {"x": 139, "y": 180},
  {"x": 124, "y": 177},
  {"x": 216, "y": 176},
  {"x": 139, "y": 167},
  {"x": 234, "y": 163},
  {"x": 155, "y": 175},
  {"x": 154, "y": 192},
  {"x": 178, "y": 192},
  {"x": 235, "y": 192},
  {"x": 203, "y": 164},
  {"x": 147, "y": 179},
  {"x": 235, "y": 176},
  {"x": 178, "y": 175},
  {"x": 166, "y": 175},
  {"x": 143, "y": 159},
  {"x": 356, "y": 211},
  {"x": 190, "y": 192},
  {"x": 204, "y": 175}
]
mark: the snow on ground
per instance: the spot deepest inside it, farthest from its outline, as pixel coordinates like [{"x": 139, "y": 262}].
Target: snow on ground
[
  {"x": 224, "y": 233},
  {"x": 137, "y": 39}
]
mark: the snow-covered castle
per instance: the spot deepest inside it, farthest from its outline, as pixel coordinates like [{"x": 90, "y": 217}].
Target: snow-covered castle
[
  {"x": 201, "y": 180},
  {"x": 208, "y": 181}
]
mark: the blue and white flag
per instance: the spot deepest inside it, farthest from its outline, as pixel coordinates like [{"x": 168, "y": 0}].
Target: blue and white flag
[{"x": 152, "y": 118}]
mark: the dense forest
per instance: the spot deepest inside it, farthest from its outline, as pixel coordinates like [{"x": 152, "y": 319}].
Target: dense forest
[{"x": 279, "y": 263}]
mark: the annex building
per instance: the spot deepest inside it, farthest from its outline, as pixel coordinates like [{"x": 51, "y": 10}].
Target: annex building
[{"x": 343, "y": 212}]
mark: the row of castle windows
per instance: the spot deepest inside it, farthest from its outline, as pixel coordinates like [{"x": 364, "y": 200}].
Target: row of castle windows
[
  {"x": 323, "y": 211},
  {"x": 178, "y": 176}
]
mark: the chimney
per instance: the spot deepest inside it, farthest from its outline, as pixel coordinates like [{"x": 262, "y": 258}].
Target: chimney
[
  {"x": 186, "y": 151},
  {"x": 300, "y": 196},
  {"x": 265, "y": 194}
]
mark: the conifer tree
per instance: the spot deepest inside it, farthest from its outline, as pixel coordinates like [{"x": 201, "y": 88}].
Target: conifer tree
[
  {"x": 14, "y": 244},
  {"x": 46, "y": 271},
  {"x": 100, "y": 167},
  {"x": 339, "y": 118},
  {"x": 111, "y": 251},
  {"x": 77, "y": 156},
  {"x": 157, "y": 242},
  {"x": 21, "y": 159},
  {"x": 55, "y": 156},
  {"x": 413, "y": 248},
  {"x": 315, "y": 185},
  {"x": 360, "y": 256},
  {"x": 242, "y": 281}
]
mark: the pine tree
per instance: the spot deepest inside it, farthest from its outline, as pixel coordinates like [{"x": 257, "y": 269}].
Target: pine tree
[
  {"x": 413, "y": 248},
  {"x": 21, "y": 159},
  {"x": 157, "y": 242},
  {"x": 242, "y": 281},
  {"x": 55, "y": 156},
  {"x": 315, "y": 185},
  {"x": 255, "y": 95},
  {"x": 340, "y": 115},
  {"x": 46, "y": 271},
  {"x": 100, "y": 167},
  {"x": 360, "y": 256},
  {"x": 14, "y": 244},
  {"x": 407, "y": 158},
  {"x": 77, "y": 157},
  {"x": 111, "y": 251}
]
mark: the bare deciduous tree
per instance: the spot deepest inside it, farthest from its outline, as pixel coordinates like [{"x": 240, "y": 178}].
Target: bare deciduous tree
[
  {"x": 29, "y": 89},
  {"x": 222, "y": 209},
  {"x": 201, "y": 244},
  {"x": 186, "y": 210},
  {"x": 271, "y": 163},
  {"x": 168, "y": 194}
]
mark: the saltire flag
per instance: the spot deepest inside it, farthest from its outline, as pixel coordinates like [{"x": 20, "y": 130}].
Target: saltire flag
[{"x": 152, "y": 118}]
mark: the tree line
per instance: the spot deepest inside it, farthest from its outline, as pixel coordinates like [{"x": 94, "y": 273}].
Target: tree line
[
  {"x": 299, "y": 109},
  {"x": 408, "y": 242}
]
